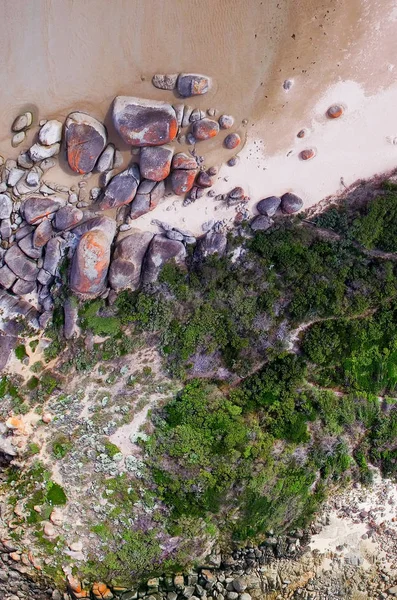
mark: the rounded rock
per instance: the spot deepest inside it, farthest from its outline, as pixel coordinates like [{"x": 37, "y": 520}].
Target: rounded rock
[
  {"x": 226, "y": 121},
  {"x": 261, "y": 223},
  {"x": 268, "y": 206},
  {"x": 335, "y": 111},
  {"x": 232, "y": 141},
  {"x": 307, "y": 154},
  {"x": 239, "y": 585},
  {"x": 205, "y": 129},
  {"x": 290, "y": 203}
]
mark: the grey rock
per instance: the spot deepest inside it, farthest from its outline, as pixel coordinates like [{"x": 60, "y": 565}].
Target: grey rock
[
  {"x": 5, "y": 229},
  {"x": 44, "y": 319},
  {"x": 14, "y": 176},
  {"x": 148, "y": 196},
  {"x": 187, "y": 111},
  {"x": 17, "y": 139},
  {"x": 291, "y": 203},
  {"x": 6, "y": 447},
  {"x": 269, "y": 206},
  {"x": 155, "y": 162},
  {"x": 161, "y": 251},
  {"x": 106, "y": 160},
  {"x": 121, "y": 190},
  {"x": 261, "y": 223},
  {"x": 37, "y": 208},
  {"x": 188, "y": 591},
  {"x": 67, "y": 217},
  {"x": 47, "y": 164},
  {"x": 245, "y": 596},
  {"x": 70, "y": 328},
  {"x": 22, "y": 266},
  {"x": 165, "y": 82},
  {"x": 38, "y": 152},
  {"x": 196, "y": 115},
  {"x": 239, "y": 585},
  {"x": 193, "y": 84},
  {"x": 178, "y": 108},
  {"x": 174, "y": 235},
  {"x": 26, "y": 245},
  {"x": 33, "y": 177},
  {"x": 51, "y": 132},
  {"x": 212, "y": 243},
  {"x": 25, "y": 161},
  {"x": 44, "y": 277},
  {"x": 5, "y": 206},
  {"x": 42, "y": 233},
  {"x": 126, "y": 265},
  {"x": 54, "y": 252},
  {"x": 236, "y": 193},
  {"x": 190, "y": 139},
  {"x": 85, "y": 140},
  {"x": 232, "y": 596},
  {"x": 22, "y": 288},
  {"x": 22, "y": 122},
  {"x": 7, "y": 277},
  {"x": 226, "y": 121}
]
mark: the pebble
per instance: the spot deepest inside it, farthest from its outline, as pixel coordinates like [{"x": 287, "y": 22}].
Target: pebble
[
  {"x": 190, "y": 139},
  {"x": 22, "y": 122},
  {"x": 232, "y": 162},
  {"x": 226, "y": 121},
  {"x": 17, "y": 139},
  {"x": 307, "y": 154},
  {"x": 211, "y": 112},
  {"x": 335, "y": 111},
  {"x": 287, "y": 85}
]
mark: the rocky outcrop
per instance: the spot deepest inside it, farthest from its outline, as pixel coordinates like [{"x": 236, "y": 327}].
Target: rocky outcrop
[
  {"x": 91, "y": 259},
  {"x": 144, "y": 122},
  {"x": 125, "y": 269},
  {"x": 161, "y": 251},
  {"x": 85, "y": 140},
  {"x": 121, "y": 189}
]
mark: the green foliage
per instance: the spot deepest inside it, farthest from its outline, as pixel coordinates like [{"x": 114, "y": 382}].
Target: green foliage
[
  {"x": 20, "y": 352},
  {"x": 55, "y": 494},
  {"x": 111, "y": 449},
  {"x": 61, "y": 446}
]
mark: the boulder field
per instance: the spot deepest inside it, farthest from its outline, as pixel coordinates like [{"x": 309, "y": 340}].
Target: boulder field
[{"x": 45, "y": 225}]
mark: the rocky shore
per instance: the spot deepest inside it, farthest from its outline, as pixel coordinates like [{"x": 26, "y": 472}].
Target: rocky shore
[
  {"x": 87, "y": 232},
  {"x": 281, "y": 567}
]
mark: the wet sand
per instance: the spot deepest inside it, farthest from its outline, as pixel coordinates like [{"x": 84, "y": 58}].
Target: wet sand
[{"x": 64, "y": 55}]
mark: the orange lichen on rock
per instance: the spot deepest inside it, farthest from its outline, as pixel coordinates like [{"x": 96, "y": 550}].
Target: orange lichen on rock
[
  {"x": 307, "y": 154},
  {"x": 205, "y": 129},
  {"x": 335, "y": 111},
  {"x": 101, "y": 591}
]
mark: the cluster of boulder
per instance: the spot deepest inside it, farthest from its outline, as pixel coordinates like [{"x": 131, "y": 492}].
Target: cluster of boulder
[{"x": 42, "y": 223}]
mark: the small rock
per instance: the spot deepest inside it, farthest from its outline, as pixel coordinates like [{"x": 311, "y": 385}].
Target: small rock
[
  {"x": 182, "y": 181},
  {"x": 307, "y": 154},
  {"x": 231, "y": 141},
  {"x": 192, "y": 84},
  {"x": 51, "y": 132},
  {"x": 14, "y": 176},
  {"x": 190, "y": 139},
  {"x": 47, "y": 418},
  {"x": 335, "y": 111},
  {"x": 17, "y": 139},
  {"x": 287, "y": 85},
  {"x": 239, "y": 585},
  {"x": 232, "y": 162},
  {"x": 5, "y": 206},
  {"x": 22, "y": 122},
  {"x": 38, "y": 152},
  {"x": 106, "y": 160},
  {"x": 179, "y": 108},
  {"x": 205, "y": 129},
  {"x": 226, "y": 121},
  {"x": 165, "y": 82},
  {"x": 174, "y": 235}
]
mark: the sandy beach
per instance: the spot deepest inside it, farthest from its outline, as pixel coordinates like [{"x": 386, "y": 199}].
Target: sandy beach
[{"x": 249, "y": 50}]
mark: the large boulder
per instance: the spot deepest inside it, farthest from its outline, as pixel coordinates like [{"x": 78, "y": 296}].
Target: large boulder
[
  {"x": 161, "y": 251},
  {"x": 184, "y": 173},
  {"x": 211, "y": 243},
  {"x": 291, "y": 203},
  {"x": 85, "y": 140},
  {"x": 54, "y": 252},
  {"x": 125, "y": 269},
  {"x": 37, "y": 208},
  {"x": 42, "y": 233},
  {"x": 268, "y": 206},
  {"x": 67, "y": 217},
  {"x": 155, "y": 162},
  {"x": 91, "y": 259},
  {"x": 261, "y": 223},
  {"x": 144, "y": 122},
  {"x": 147, "y": 198},
  {"x": 121, "y": 189},
  {"x": 20, "y": 264}
]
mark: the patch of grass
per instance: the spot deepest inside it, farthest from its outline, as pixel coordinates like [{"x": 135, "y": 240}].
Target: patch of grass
[{"x": 20, "y": 352}]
